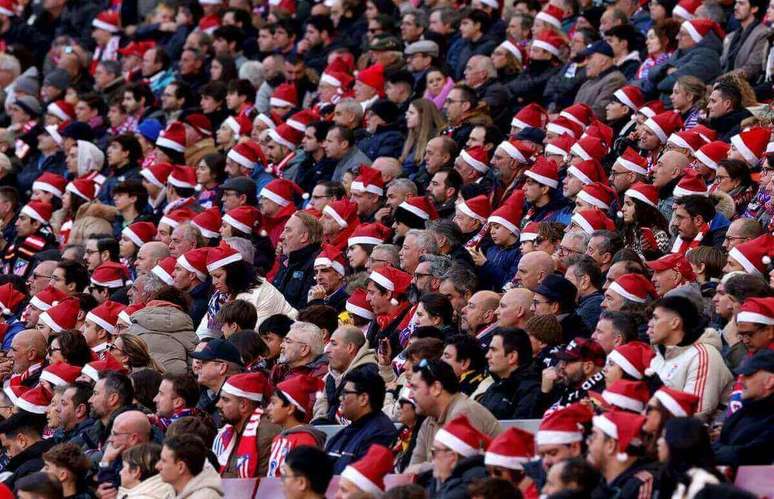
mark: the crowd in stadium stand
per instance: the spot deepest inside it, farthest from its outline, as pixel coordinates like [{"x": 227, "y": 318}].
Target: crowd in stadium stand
[{"x": 438, "y": 249}]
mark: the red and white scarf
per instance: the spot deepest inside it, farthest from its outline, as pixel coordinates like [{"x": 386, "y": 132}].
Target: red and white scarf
[
  {"x": 247, "y": 457},
  {"x": 682, "y": 246},
  {"x": 18, "y": 379}
]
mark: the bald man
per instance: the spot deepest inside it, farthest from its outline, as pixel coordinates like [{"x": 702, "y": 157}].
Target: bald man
[
  {"x": 740, "y": 231},
  {"x": 533, "y": 268},
  {"x": 130, "y": 428},
  {"x": 665, "y": 172},
  {"x": 515, "y": 308},
  {"x": 478, "y": 316},
  {"x": 28, "y": 351},
  {"x": 40, "y": 276},
  {"x": 149, "y": 255},
  {"x": 389, "y": 168}
]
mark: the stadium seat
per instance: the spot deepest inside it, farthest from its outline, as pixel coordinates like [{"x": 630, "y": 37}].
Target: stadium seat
[
  {"x": 241, "y": 488},
  {"x": 756, "y": 479}
]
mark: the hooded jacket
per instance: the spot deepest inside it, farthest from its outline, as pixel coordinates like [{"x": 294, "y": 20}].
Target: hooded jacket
[
  {"x": 701, "y": 61},
  {"x": 267, "y": 301},
  {"x": 150, "y": 488},
  {"x": 91, "y": 218},
  {"x": 205, "y": 485},
  {"x": 696, "y": 366},
  {"x": 169, "y": 334},
  {"x": 514, "y": 397}
]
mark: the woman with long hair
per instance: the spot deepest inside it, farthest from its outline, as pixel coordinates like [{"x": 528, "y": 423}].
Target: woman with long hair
[
  {"x": 133, "y": 353},
  {"x": 434, "y": 309},
  {"x": 688, "y": 97},
  {"x": 661, "y": 43},
  {"x": 210, "y": 173},
  {"x": 223, "y": 68},
  {"x": 644, "y": 228},
  {"x": 733, "y": 177},
  {"x": 139, "y": 477},
  {"x": 423, "y": 121},
  {"x": 506, "y": 62}
]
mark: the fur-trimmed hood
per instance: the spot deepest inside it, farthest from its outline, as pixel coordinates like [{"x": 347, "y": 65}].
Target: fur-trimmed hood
[{"x": 97, "y": 210}]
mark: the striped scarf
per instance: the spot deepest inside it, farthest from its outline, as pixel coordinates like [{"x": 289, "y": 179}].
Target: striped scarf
[{"x": 247, "y": 457}]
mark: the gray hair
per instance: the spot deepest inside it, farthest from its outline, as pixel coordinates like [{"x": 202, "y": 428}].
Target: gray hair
[
  {"x": 112, "y": 67},
  {"x": 462, "y": 279},
  {"x": 153, "y": 284},
  {"x": 439, "y": 265},
  {"x": 485, "y": 64},
  {"x": 310, "y": 334},
  {"x": 420, "y": 18},
  {"x": 243, "y": 246},
  {"x": 252, "y": 71},
  {"x": 351, "y": 106},
  {"x": 424, "y": 240},
  {"x": 448, "y": 15},
  {"x": 404, "y": 185},
  {"x": 392, "y": 250},
  {"x": 579, "y": 236},
  {"x": 11, "y": 64},
  {"x": 612, "y": 241},
  {"x": 447, "y": 229}
]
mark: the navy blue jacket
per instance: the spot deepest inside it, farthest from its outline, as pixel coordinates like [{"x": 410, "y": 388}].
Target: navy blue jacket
[
  {"x": 352, "y": 442},
  {"x": 386, "y": 141},
  {"x": 747, "y": 437},
  {"x": 500, "y": 266}
]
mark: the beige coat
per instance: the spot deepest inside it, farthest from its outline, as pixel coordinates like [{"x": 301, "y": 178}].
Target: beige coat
[
  {"x": 205, "y": 485},
  {"x": 91, "y": 218},
  {"x": 150, "y": 488}
]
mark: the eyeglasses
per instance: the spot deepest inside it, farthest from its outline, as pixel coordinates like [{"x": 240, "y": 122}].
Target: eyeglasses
[
  {"x": 91, "y": 251},
  {"x": 56, "y": 278},
  {"x": 52, "y": 350},
  {"x": 435, "y": 451},
  {"x": 420, "y": 275},
  {"x": 40, "y": 276},
  {"x": 113, "y": 347},
  {"x": 427, "y": 367},
  {"x": 564, "y": 250},
  {"x": 350, "y": 392},
  {"x": 748, "y": 334},
  {"x": 536, "y": 302},
  {"x": 452, "y": 101}
]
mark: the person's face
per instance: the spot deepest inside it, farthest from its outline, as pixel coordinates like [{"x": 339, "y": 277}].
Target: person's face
[
  {"x": 335, "y": 147},
  {"x": 410, "y": 31},
  {"x": 424, "y": 318},
  {"x": 757, "y": 386},
  {"x": 294, "y": 72},
  {"x": 742, "y": 10},
  {"x": 615, "y": 111},
  {"x": 294, "y": 236},
  {"x": 662, "y": 323},
  {"x": 209, "y": 104},
  {"x": 412, "y": 117},
  {"x": 165, "y": 399},
  {"x": 533, "y": 191},
  {"x": 681, "y": 100},
  {"x": 25, "y": 225},
  {"x": 612, "y": 301},
  {"x": 67, "y": 410},
  {"x": 556, "y": 453},
  {"x": 434, "y": 156},
  {"x": 527, "y": 277},
  {"x": 501, "y": 235},
  {"x": 99, "y": 401},
  {"x": 169, "y": 100},
  {"x": 273, "y": 342},
  {"x": 409, "y": 254},
  {"x": 357, "y": 256},
  {"x": 437, "y": 189},
  {"x": 188, "y": 63},
  {"x": 541, "y": 305},
  {"x": 498, "y": 360},
  {"x": 571, "y": 186},
  {"x": 684, "y": 40},
  {"x": 265, "y": 40},
  {"x": 450, "y": 357},
  {"x": 724, "y": 182},
  {"x": 597, "y": 452},
  {"x": 380, "y": 302},
  {"x": 466, "y": 223},
  {"x": 755, "y": 337},
  {"x": 554, "y": 482},
  {"x": 12, "y": 446},
  {"x": 717, "y": 106},
  {"x": 606, "y": 335},
  {"x": 435, "y": 81},
  {"x": 229, "y": 407},
  {"x": 725, "y": 305},
  {"x": 454, "y": 106},
  {"x": 423, "y": 279},
  {"x": 312, "y": 36},
  {"x": 328, "y": 278},
  {"x": 687, "y": 227},
  {"x": 167, "y": 466}
]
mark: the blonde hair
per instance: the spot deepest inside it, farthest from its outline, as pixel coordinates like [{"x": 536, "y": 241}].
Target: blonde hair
[
  {"x": 431, "y": 121},
  {"x": 137, "y": 353}
]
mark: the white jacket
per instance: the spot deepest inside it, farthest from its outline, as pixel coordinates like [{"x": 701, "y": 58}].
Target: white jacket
[
  {"x": 150, "y": 488},
  {"x": 697, "y": 368}
]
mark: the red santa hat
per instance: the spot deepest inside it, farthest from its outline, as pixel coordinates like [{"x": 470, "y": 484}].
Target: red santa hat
[
  {"x": 281, "y": 191},
  {"x": 343, "y": 211},
  {"x": 564, "y": 426},
  {"x": 266, "y": 120},
  {"x": 477, "y": 207},
  {"x": 507, "y": 216},
  {"x": 601, "y": 131},
  {"x": 7, "y": 9},
  {"x": 462, "y": 437},
  {"x": 591, "y": 219},
  {"x": 391, "y": 279},
  {"x": 697, "y": 29},
  {"x": 337, "y": 74},
  {"x": 622, "y": 426},
  {"x": 38, "y": 210},
  {"x": 515, "y": 50},
  {"x": 107, "y": 20},
  {"x": 125, "y": 316},
  {"x": 563, "y": 126},
  {"x": 208, "y": 222},
  {"x": 84, "y": 188},
  {"x": 679, "y": 404},
  {"x": 551, "y": 14},
  {"x": 249, "y": 154},
  {"x": 239, "y": 125},
  {"x": 10, "y": 299},
  {"x": 633, "y": 287},
  {"x": 550, "y": 42},
  {"x": 285, "y": 95},
  {"x": 664, "y": 124},
  {"x": 692, "y": 184},
  {"x": 707, "y": 134},
  {"x": 300, "y": 120},
  {"x": 368, "y": 180},
  {"x": 520, "y": 150},
  {"x": 755, "y": 311},
  {"x": 560, "y": 146},
  {"x": 686, "y": 9},
  {"x": 62, "y": 110},
  {"x": 652, "y": 108},
  {"x": 358, "y": 304},
  {"x": 13, "y": 392},
  {"x": 753, "y": 255},
  {"x": 581, "y": 114},
  {"x": 530, "y": 116},
  {"x": 589, "y": 147},
  {"x": 368, "y": 473},
  {"x": 110, "y": 275},
  {"x": 330, "y": 257},
  {"x": 751, "y": 143},
  {"x": 164, "y": 269},
  {"x": 243, "y": 218},
  {"x": 420, "y": 206},
  {"x": 630, "y": 96},
  {"x": 51, "y": 182},
  {"x": 157, "y": 174},
  {"x": 588, "y": 171},
  {"x": 627, "y": 395},
  {"x": 140, "y": 232},
  {"x": 645, "y": 193},
  {"x": 477, "y": 158},
  {"x": 61, "y": 374},
  {"x": 47, "y": 298},
  {"x": 63, "y": 315},
  {"x": 511, "y": 449},
  {"x": 221, "y": 256},
  {"x": 301, "y": 391},
  {"x": 598, "y": 194},
  {"x": 545, "y": 172},
  {"x": 177, "y": 217},
  {"x": 105, "y": 315},
  {"x": 35, "y": 400},
  {"x": 687, "y": 139},
  {"x": 173, "y": 137},
  {"x": 251, "y": 386},
  {"x": 106, "y": 365},
  {"x": 710, "y": 154},
  {"x": 373, "y": 76},
  {"x": 530, "y": 232},
  {"x": 137, "y": 49},
  {"x": 374, "y": 233},
  {"x": 195, "y": 261},
  {"x": 633, "y": 357},
  {"x": 199, "y": 122},
  {"x": 633, "y": 162},
  {"x": 673, "y": 261}
]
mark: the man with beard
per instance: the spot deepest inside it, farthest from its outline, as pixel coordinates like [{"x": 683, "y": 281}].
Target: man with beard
[
  {"x": 301, "y": 353},
  {"x": 241, "y": 407},
  {"x": 218, "y": 360},
  {"x": 439, "y": 154},
  {"x": 443, "y": 190},
  {"x": 471, "y": 215},
  {"x": 579, "y": 372},
  {"x": 478, "y": 316}
]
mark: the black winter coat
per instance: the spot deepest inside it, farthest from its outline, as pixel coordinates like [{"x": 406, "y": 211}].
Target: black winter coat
[
  {"x": 747, "y": 437},
  {"x": 514, "y": 397},
  {"x": 531, "y": 83},
  {"x": 27, "y": 461},
  {"x": 467, "y": 470},
  {"x": 386, "y": 141},
  {"x": 296, "y": 275},
  {"x": 354, "y": 440}
]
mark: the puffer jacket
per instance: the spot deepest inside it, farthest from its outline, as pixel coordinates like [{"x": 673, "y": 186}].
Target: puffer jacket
[
  {"x": 267, "y": 301},
  {"x": 205, "y": 485},
  {"x": 150, "y": 488},
  {"x": 385, "y": 141},
  {"x": 169, "y": 334},
  {"x": 91, "y": 218},
  {"x": 696, "y": 366},
  {"x": 701, "y": 61},
  {"x": 326, "y": 405}
]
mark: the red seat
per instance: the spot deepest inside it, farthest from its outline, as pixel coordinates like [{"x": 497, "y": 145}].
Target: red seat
[
  {"x": 391, "y": 481},
  {"x": 758, "y": 480},
  {"x": 239, "y": 488}
]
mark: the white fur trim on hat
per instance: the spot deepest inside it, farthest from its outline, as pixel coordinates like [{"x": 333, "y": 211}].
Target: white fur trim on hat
[
  {"x": 279, "y": 139},
  {"x": 148, "y": 175},
  {"x": 53, "y": 378},
  {"x": 695, "y": 35},
  {"x": 743, "y": 261},
  {"x": 541, "y": 179},
  {"x": 359, "y": 186},
  {"x": 100, "y": 322},
  {"x": 237, "y": 224},
  {"x": 129, "y": 233},
  {"x": 513, "y": 49},
  {"x": 97, "y": 23},
  {"x": 745, "y": 151},
  {"x": 505, "y": 223},
  {"x": 238, "y": 158},
  {"x": 632, "y": 193},
  {"x": 754, "y": 318},
  {"x": 545, "y": 45},
  {"x": 115, "y": 283},
  {"x": 457, "y": 445},
  {"x": 592, "y": 200},
  {"x": 517, "y": 123},
  {"x": 266, "y": 120},
  {"x": 582, "y": 223},
  {"x": 632, "y": 166},
  {"x": 512, "y": 151},
  {"x": 205, "y": 232},
  {"x": 549, "y": 19},
  {"x": 327, "y": 262},
  {"x": 671, "y": 404},
  {"x": 89, "y": 371},
  {"x": 679, "y": 192},
  {"x": 359, "y": 311},
  {"x": 233, "y": 124},
  {"x": 555, "y": 151},
  {"x": 574, "y": 170},
  {"x": 183, "y": 262},
  {"x": 53, "y": 131},
  {"x": 621, "y": 291},
  {"x": 27, "y": 210},
  {"x": 232, "y": 390},
  {"x": 528, "y": 236},
  {"x": 266, "y": 193},
  {"x": 162, "y": 274},
  {"x": 223, "y": 262},
  {"x": 330, "y": 80},
  {"x": 473, "y": 162},
  {"x": 510, "y": 462},
  {"x": 621, "y": 96},
  {"x": 550, "y": 437},
  {"x": 334, "y": 215},
  {"x": 580, "y": 152},
  {"x": 277, "y": 102},
  {"x": 170, "y": 144},
  {"x": 608, "y": 427},
  {"x": 48, "y": 321},
  {"x": 415, "y": 210},
  {"x": 363, "y": 240},
  {"x": 651, "y": 124},
  {"x": 623, "y": 401},
  {"x": 679, "y": 10},
  {"x": 353, "y": 475},
  {"x": 30, "y": 407},
  {"x": 43, "y": 186},
  {"x": 624, "y": 363},
  {"x": 464, "y": 208},
  {"x": 381, "y": 280},
  {"x": 705, "y": 160},
  {"x": 559, "y": 130}
]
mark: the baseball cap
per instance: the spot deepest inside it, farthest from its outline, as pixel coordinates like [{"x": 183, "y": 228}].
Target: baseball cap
[
  {"x": 761, "y": 361},
  {"x": 557, "y": 289},
  {"x": 385, "y": 42},
  {"x": 218, "y": 349},
  {"x": 599, "y": 47},
  {"x": 674, "y": 261},
  {"x": 583, "y": 349}
]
